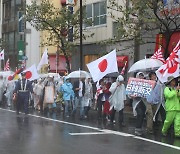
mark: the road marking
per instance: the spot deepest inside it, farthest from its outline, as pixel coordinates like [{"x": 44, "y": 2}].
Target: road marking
[
  {"x": 90, "y": 133},
  {"x": 117, "y": 133},
  {"x": 160, "y": 143},
  {"x": 102, "y": 130}
]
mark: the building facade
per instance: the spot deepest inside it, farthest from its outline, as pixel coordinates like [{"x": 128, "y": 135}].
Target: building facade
[
  {"x": 104, "y": 27},
  {"x": 22, "y": 41}
]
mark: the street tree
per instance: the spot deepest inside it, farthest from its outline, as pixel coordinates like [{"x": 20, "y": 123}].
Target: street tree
[
  {"x": 61, "y": 25},
  {"x": 140, "y": 17}
]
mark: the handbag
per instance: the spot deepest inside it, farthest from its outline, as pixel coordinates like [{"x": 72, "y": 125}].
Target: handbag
[
  {"x": 14, "y": 98},
  {"x": 49, "y": 94}
]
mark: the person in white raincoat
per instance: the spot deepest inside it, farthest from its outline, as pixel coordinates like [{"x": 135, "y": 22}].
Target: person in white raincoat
[
  {"x": 117, "y": 99},
  {"x": 2, "y": 89},
  {"x": 9, "y": 92},
  {"x": 88, "y": 96},
  {"x": 38, "y": 94}
]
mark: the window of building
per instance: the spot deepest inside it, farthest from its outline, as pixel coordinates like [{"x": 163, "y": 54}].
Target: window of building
[
  {"x": 12, "y": 10},
  {"x": 11, "y": 41},
  {"x": 18, "y": 2},
  {"x": 6, "y": 10},
  {"x": 88, "y": 59},
  {"x": 96, "y": 14},
  {"x": 100, "y": 13},
  {"x": 89, "y": 15}
]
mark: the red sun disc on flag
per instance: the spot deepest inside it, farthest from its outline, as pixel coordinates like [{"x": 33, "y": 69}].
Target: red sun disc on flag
[
  {"x": 173, "y": 69},
  {"x": 103, "y": 65},
  {"x": 10, "y": 78},
  {"x": 28, "y": 75}
]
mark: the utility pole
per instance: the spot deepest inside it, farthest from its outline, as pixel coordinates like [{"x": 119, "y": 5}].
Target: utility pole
[{"x": 81, "y": 35}]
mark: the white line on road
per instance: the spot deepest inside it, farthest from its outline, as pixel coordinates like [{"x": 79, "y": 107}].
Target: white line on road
[
  {"x": 103, "y": 130},
  {"x": 160, "y": 143},
  {"x": 117, "y": 133},
  {"x": 90, "y": 133}
]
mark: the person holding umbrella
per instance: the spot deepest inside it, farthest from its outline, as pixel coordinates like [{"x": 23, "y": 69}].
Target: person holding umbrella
[{"x": 172, "y": 106}]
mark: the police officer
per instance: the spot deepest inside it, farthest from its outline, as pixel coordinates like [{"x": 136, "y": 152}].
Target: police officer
[{"x": 22, "y": 90}]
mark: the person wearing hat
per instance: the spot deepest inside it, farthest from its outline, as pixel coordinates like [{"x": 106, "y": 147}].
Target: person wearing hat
[
  {"x": 172, "y": 107},
  {"x": 22, "y": 89},
  {"x": 117, "y": 99}
]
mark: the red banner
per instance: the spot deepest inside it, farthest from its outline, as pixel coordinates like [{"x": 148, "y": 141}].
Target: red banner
[{"x": 161, "y": 41}]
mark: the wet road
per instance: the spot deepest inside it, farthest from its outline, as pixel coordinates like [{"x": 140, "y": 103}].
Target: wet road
[{"x": 34, "y": 134}]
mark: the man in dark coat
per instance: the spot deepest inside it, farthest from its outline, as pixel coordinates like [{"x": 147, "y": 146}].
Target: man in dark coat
[{"x": 22, "y": 90}]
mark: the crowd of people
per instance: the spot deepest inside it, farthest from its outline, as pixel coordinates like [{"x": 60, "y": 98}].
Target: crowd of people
[{"x": 107, "y": 97}]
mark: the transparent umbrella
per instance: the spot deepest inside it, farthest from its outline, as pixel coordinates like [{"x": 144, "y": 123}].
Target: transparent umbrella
[
  {"x": 79, "y": 74},
  {"x": 145, "y": 65}
]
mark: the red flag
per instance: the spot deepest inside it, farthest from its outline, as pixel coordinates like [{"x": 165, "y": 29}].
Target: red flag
[
  {"x": 158, "y": 55},
  {"x": 124, "y": 68},
  {"x": 171, "y": 66},
  {"x": 7, "y": 67}
]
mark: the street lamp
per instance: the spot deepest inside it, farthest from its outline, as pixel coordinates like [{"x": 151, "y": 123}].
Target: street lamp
[{"x": 81, "y": 35}]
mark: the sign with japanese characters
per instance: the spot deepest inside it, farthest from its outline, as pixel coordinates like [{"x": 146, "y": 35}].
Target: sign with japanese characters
[{"x": 139, "y": 87}]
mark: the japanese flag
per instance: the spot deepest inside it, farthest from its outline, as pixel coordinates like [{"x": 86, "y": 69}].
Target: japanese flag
[
  {"x": 2, "y": 55},
  {"x": 44, "y": 60},
  {"x": 31, "y": 73},
  {"x": 102, "y": 66}
]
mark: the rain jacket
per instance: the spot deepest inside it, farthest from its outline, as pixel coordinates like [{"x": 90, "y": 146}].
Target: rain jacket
[
  {"x": 118, "y": 96},
  {"x": 2, "y": 89},
  {"x": 67, "y": 91},
  {"x": 172, "y": 99},
  {"x": 172, "y": 106}
]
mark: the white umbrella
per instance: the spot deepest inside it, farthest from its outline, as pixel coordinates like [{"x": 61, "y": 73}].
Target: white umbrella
[
  {"x": 79, "y": 74},
  {"x": 145, "y": 65}
]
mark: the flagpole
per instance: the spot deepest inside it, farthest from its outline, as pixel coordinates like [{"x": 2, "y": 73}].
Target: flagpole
[
  {"x": 81, "y": 35},
  {"x": 4, "y": 63},
  {"x": 1, "y": 65}
]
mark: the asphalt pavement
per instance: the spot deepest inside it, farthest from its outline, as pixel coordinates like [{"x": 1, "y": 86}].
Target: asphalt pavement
[{"x": 52, "y": 133}]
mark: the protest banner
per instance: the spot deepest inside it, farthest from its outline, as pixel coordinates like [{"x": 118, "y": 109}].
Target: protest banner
[{"x": 139, "y": 87}]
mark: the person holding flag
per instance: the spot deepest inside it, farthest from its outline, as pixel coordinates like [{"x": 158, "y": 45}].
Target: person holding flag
[
  {"x": 117, "y": 99},
  {"x": 7, "y": 67}
]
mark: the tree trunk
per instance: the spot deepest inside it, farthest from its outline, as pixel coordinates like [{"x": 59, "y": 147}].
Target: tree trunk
[
  {"x": 136, "y": 49},
  {"x": 66, "y": 57}
]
